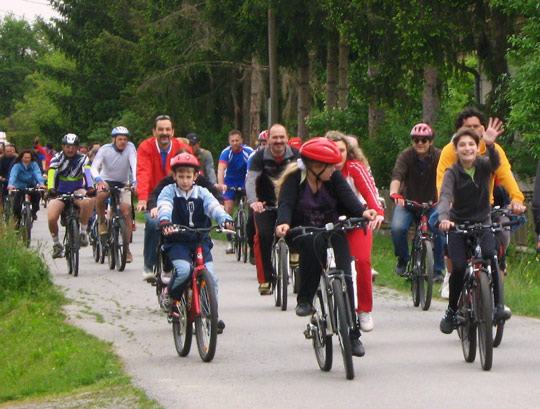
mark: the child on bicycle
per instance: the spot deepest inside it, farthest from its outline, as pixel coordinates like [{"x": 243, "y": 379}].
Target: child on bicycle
[
  {"x": 311, "y": 193},
  {"x": 465, "y": 197},
  {"x": 190, "y": 205}
]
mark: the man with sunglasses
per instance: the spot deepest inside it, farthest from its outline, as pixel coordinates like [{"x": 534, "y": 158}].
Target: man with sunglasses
[
  {"x": 153, "y": 164},
  {"x": 414, "y": 178}
]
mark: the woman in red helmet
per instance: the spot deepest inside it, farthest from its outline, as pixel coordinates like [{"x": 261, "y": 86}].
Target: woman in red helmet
[{"x": 311, "y": 193}]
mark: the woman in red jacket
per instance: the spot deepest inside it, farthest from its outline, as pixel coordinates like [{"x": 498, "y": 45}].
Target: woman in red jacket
[{"x": 354, "y": 167}]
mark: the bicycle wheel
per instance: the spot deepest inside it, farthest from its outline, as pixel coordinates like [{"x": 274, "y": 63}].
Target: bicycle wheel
[
  {"x": 484, "y": 314},
  {"x": 499, "y": 324},
  {"x": 276, "y": 279},
  {"x": 237, "y": 238},
  {"x": 244, "y": 243},
  {"x": 110, "y": 246},
  {"x": 425, "y": 280},
  {"x": 104, "y": 245},
  {"x": 414, "y": 267},
  {"x": 322, "y": 340},
  {"x": 343, "y": 328},
  {"x": 283, "y": 275},
  {"x": 467, "y": 329},
  {"x": 96, "y": 242},
  {"x": 120, "y": 248},
  {"x": 181, "y": 326},
  {"x": 206, "y": 321},
  {"x": 73, "y": 254},
  {"x": 26, "y": 225}
]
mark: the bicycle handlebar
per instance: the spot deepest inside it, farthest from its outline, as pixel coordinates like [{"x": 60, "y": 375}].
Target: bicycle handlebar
[
  {"x": 467, "y": 228},
  {"x": 413, "y": 205},
  {"x": 347, "y": 224},
  {"x": 179, "y": 228}
]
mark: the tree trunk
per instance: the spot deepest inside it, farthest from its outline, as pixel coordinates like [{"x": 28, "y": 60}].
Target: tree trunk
[
  {"x": 376, "y": 115},
  {"x": 431, "y": 102},
  {"x": 236, "y": 105},
  {"x": 303, "y": 96},
  {"x": 246, "y": 103},
  {"x": 255, "y": 106},
  {"x": 331, "y": 75},
  {"x": 272, "y": 66},
  {"x": 343, "y": 85}
]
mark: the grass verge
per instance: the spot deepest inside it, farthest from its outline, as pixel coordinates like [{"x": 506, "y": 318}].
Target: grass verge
[{"x": 521, "y": 285}]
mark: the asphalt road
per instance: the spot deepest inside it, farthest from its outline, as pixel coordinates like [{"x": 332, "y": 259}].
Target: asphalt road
[{"x": 264, "y": 361}]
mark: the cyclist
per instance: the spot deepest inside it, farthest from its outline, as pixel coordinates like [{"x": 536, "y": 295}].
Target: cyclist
[
  {"x": 354, "y": 167},
  {"x": 232, "y": 169},
  {"x": 473, "y": 118},
  {"x": 187, "y": 204},
  {"x": 204, "y": 157},
  {"x": 25, "y": 173},
  {"x": 69, "y": 172},
  {"x": 465, "y": 196},
  {"x": 10, "y": 154},
  {"x": 311, "y": 193},
  {"x": 265, "y": 168},
  {"x": 262, "y": 140},
  {"x": 114, "y": 164},
  {"x": 295, "y": 142},
  {"x": 413, "y": 178},
  {"x": 153, "y": 158},
  {"x": 536, "y": 202}
]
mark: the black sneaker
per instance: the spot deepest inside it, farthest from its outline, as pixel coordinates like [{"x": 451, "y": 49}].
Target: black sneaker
[
  {"x": 58, "y": 251},
  {"x": 438, "y": 277},
  {"x": 251, "y": 257},
  {"x": 502, "y": 313},
  {"x": 220, "y": 326},
  {"x": 447, "y": 322},
  {"x": 401, "y": 267},
  {"x": 357, "y": 346},
  {"x": 303, "y": 309}
]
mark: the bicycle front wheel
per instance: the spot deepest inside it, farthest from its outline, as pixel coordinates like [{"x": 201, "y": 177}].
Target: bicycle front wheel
[
  {"x": 499, "y": 324},
  {"x": 283, "y": 275},
  {"x": 484, "y": 314},
  {"x": 466, "y": 329},
  {"x": 276, "y": 278},
  {"x": 206, "y": 320},
  {"x": 26, "y": 225},
  {"x": 72, "y": 247},
  {"x": 181, "y": 326},
  {"x": 244, "y": 244},
  {"x": 415, "y": 277},
  {"x": 237, "y": 240},
  {"x": 120, "y": 244},
  {"x": 425, "y": 280},
  {"x": 322, "y": 340},
  {"x": 340, "y": 309}
]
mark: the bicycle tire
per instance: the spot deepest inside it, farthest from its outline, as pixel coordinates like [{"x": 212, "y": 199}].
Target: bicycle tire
[
  {"x": 244, "y": 243},
  {"x": 120, "y": 244},
  {"x": 26, "y": 225},
  {"x": 484, "y": 315},
  {"x": 157, "y": 270},
  {"x": 73, "y": 238},
  {"x": 276, "y": 280},
  {"x": 425, "y": 282},
  {"x": 237, "y": 239},
  {"x": 96, "y": 242},
  {"x": 111, "y": 258},
  {"x": 467, "y": 330},
  {"x": 322, "y": 341},
  {"x": 283, "y": 275},
  {"x": 414, "y": 265},
  {"x": 499, "y": 325},
  {"x": 104, "y": 248},
  {"x": 343, "y": 328},
  {"x": 181, "y": 326},
  {"x": 206, "y": 321}
]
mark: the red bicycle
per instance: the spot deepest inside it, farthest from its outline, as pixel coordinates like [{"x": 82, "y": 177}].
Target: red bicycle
[{"x": 198, "y": 304}]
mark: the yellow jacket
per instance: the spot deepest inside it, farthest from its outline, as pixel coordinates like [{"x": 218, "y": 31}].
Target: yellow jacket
[{"x": 503, "y": 172}]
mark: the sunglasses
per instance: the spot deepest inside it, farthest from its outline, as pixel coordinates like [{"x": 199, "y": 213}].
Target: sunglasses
[{"x": 418, "y": 140}]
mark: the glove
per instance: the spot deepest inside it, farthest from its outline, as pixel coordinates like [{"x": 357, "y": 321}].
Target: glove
[
  {"x": 53, "y": 193},
  {"x": 90, "y": 192},
  {"x": 395, "y": 197},
  {"x": 164, "y": 224}
]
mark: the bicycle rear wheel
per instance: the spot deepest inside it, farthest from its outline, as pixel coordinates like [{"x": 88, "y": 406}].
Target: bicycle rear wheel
[
  {"x": 322, "y": 340},
  {"x": 499, "y": 325},
  {"x": 283, "y": 275},
  {"x": 181, "y": 326},
  {"x": 484, "y": 312},
  {"x": 467, "y": 329},
  {"x": 343, "y": 328},
  {"x": 120, "y": 244},
  {"x": 72, "y": 246},
  {"x": 206, "y": 321},
  {"x": 425, "y": 280}
]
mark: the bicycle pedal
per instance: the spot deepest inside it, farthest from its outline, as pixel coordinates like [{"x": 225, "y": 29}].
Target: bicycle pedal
[
  {"x": 459, "y": 320},
  {"x": 308, "y": 332}
]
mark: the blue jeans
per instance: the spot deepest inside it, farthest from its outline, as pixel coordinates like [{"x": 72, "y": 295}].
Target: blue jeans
[
  {"x": 401, "y": 222},
  {"x": 182, "y": 271},
  {"x": 151, "y": 239}
]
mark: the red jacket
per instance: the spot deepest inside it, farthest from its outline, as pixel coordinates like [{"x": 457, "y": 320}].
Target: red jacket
[{"x": 149, "y": 166}]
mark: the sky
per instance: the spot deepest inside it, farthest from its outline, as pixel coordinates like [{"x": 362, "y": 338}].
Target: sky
[{"x": 27, "y": 9}]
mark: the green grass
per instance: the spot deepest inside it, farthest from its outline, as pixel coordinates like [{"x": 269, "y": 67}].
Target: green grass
[
  {"x": 521, "y": 285},
  {"x": 40, "y": 353}
]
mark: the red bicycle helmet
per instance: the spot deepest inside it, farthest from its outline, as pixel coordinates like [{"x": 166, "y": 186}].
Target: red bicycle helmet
[
  {"x": 321, "y": 150},
  {"x": 263, "y": 136},
  {"x": 422, "y": 130},
  {"x": 295, "y": 142},
  {"x": 185, "y": 159}
]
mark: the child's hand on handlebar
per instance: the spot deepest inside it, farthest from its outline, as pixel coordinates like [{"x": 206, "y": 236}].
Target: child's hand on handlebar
[
  {"x": 282, "y": 230},
  {"x": 446, "y": 225}
]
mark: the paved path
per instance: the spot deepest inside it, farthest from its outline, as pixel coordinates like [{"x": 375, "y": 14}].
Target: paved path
[{"x": 263, "y": 360}]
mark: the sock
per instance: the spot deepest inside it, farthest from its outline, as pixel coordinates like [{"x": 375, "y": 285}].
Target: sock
[
  {"x": 83, "y": 228},
  {"x": 56, "y": 240}
]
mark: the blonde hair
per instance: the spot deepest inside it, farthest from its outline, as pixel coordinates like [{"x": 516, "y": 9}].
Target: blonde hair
[
  {"x": 289, "y": 170},
  {"x": 354, "y": 152}
]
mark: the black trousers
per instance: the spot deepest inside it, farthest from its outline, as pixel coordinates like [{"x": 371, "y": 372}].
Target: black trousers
[
  {"x": 265, "y": 225},
  {"x": 35, "y": 197}
]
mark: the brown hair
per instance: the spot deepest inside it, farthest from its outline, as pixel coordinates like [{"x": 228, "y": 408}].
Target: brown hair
[{"x": 465, "y": 131}]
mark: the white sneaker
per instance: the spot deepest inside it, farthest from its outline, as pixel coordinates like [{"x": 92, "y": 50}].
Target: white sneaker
[
  {"x": 366, "y": 322},
  {"x": 374, "y": 274},
  {"x": 445, "y": 287},
  {"x": 147, "y": 275},
  {"x": 230, "y": 248}
]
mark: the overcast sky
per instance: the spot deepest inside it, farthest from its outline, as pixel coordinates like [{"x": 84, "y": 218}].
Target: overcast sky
[{"x": 27, "y": 9}]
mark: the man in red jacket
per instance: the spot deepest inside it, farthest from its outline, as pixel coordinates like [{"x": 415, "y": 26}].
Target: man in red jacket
[{"x": 153, "y": 164}]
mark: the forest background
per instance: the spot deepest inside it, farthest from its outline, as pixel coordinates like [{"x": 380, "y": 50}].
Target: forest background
[{"x": 368, "y": 68}]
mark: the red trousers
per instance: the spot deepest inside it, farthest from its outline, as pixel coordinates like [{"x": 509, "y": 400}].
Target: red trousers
[{"x": 360, "y": 243}]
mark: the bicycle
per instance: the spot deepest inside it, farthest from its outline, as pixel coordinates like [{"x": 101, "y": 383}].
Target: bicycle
[
  {"x": 93, "y": 238},
  {"x": 115, "y": 243},
  {"x": 420, "y": 267},
  {"x": 198, "y": 304},
  {"x": 332, "y": 313},
  {"x": 26, "y": 221},
  {"x": 240, "y": 221},
  {"x": 475, "y": 316},
  {"x": 70, "y": 219},
  {"x": 162, "y": 268}
]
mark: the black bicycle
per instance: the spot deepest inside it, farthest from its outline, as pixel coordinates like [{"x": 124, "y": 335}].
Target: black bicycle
[
  {"x": 93, "y": 237},
  {"x": 420, "y": 268},
  {"x": 240, "y": 221},
  {"x": 475, "y": 316},
  {"x": 26, "y": 221},
  {"x": 332, "y": 312},
  {"x": 69, "y": 218},
  {"x": 115, "y": 243}
]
